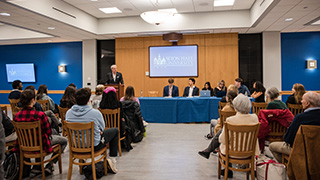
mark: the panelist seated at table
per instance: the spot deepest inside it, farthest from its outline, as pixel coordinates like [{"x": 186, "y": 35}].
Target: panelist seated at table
[
  {"x": 114, "y": 77},
  {"x": 170, "y": 90},
  {"x": 191, "y": 90}
]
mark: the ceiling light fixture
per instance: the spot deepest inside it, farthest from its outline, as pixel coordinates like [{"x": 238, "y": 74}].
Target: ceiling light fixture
[
  {"x": 110, "y": 10},
  {"x": 51, "y": 28},
  {"x": 159, "y": 16},
  {"x": 289, "y": 19},
  {"x": 5, "y": 14},
  {"x": 223, "y": 3}
]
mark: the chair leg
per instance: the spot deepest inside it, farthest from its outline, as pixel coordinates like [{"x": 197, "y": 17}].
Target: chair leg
[
  {"x": 252, "y": 170},
  {"x": 80, "y": 166},
  {"x": 226, "y": 169},
  {"x": 42, "y": 169},
  {"x": 60, "y": 164},
  {"x": 219, "y": 168},
  {"x": 105, "y": 164},
  {"x": 21, "y": 165},
  {"x": 70, "y": 166},
  {"x": 120, "y": 153},
  {"x": 93, "y": 170}
]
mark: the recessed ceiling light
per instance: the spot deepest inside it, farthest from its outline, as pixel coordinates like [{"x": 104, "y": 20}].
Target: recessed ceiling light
[
  {"x": 172, "y": 10},
  {"x": 204, "y": 4},
  {"x": 51, "y": 28},
  {"x": 289, "y": 19},
  {"x": 4, "y": 14},
  {"x": 110, "y": 10},
  {"x": 223, "y": 3}
]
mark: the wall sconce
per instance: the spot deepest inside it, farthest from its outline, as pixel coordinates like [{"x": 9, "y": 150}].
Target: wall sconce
[
  {"x": 62, "y": 68},
  {"x": 311, "y": 64}
]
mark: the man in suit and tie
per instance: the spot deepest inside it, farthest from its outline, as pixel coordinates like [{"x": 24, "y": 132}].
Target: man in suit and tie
[
  {"x": 191, "y": 90},
  {"x": 114, "y": 77},
  {"x": 170, "y": 90}
]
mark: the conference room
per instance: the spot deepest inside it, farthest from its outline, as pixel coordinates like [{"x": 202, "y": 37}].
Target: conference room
[{"x": 57, "y": 43}]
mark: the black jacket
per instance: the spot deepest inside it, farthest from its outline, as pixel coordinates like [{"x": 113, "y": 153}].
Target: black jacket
[
  {"x": 195, "y": 91},
  {"x": 119, "y": 78},
  {"x": 7, "y": 124},
  {"x": 132, "y": 110}
]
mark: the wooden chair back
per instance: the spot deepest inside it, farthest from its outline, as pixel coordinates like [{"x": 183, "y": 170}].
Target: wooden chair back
[
  {"x": 14, "y": 106},
  {"x": 44, "y": 104},
  {"x": 223, "y": 115},
  {"x": 241, "y": 139},
  {"x": 256, "y": 107},
  {"x": 80, "y": 136},
  {"x": 5, "y": 110},
  {"x": 295, "y": 108},
  {"x": 222, "y": 104},
  {"x": 277, "y": 131},
  {"x": 62, "y": 114},
  {"x": 153, "y": 93}
]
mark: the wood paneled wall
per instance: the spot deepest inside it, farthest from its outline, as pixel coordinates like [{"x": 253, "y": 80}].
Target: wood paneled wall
[{"x": 217, "y": 59}]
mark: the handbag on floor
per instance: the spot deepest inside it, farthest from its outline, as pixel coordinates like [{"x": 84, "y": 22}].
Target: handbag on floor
[{"x": 268, "y": 169}]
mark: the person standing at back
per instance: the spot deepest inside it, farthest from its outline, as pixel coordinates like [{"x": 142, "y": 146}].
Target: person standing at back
[
  {"x": 191, "y": 90},
  {"x": 114, "y": 77},
  {"x": 170, "y": 90}
]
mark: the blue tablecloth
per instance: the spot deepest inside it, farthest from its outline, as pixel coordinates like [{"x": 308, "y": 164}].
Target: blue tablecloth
[{"x": 179, "y": 109}]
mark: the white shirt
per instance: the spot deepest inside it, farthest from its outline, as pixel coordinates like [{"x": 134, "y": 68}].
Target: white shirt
[
  {"x": 114, "y": 77},
  {"x": 191, "y": 91},
  {"x": 170, "y": 91}
]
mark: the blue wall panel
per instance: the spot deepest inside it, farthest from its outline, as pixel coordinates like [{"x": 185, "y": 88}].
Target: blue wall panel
[
  {"x": 46, "y": 58},
  {"x": 296, "y": 49}
]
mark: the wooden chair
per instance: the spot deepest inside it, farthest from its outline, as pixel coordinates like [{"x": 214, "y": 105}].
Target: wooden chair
[
  {"x": 4, "y": 109},
  {"x": 14, "y": 106},
  {"x": 295, "y": 108},
  {"x": 285, "y": 159},
  {"x": 30, "y": 145},
  {"x": 241, "y": 150},
  {"x": 222, "y": 104},
  {"x": 112, "y": 119},
  {"x": 80, "y": 139},
  {"x": 62, "y": 114},
  {"x": 223, "y": 115},
  {"x": 277, "y": 132},
  {"x": 256, "y": 107},
  {"x": 10, "y": 145},
  {"x": 153, "y": 93},
  {"x": 44, "y": 104}
]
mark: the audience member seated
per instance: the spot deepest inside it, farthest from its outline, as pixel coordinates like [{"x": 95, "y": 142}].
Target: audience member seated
[
  {"x": 298, "y": 91},
  {"x": 82, "y": 113},
  {"x": 231, "y": 87},
  {"x": 68, "y": 99},
  {"x": 37, "y": 106},
  {"x": 208, "y": 87},
  {"x": 131, "y": 109},
  {"x": 10, "y": 134},
  {"x": 2, "y": 148},
  {"x": 129, "y": 95},
  {"x": 73, "y": 85},
  {"x": 42, "y": 94},
  {"x": 243, "y": 89},
  {"x": 258, "y": 92},
  {"x": 242, "y": 105},
  {"x": 311, "y": 104},
  {"x": 272, "y": 98},
  {"x": 170, "y": 90},
  {"x": 215, "y": 124},
  {"x": 17, "y": 87},
  {"x": 221, "y": 89},
  {"x": 110, "y": 101},
  {"x": 27, "y": 114},
  {"x": 191, "y": 90},
  {"x": 96, "y": 98}
]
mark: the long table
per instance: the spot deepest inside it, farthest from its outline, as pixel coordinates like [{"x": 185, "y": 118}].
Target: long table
[{"x": 179, "y": 109}]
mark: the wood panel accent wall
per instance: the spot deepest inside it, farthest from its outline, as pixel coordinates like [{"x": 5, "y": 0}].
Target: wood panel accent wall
[{"x": 217, "y": 59}]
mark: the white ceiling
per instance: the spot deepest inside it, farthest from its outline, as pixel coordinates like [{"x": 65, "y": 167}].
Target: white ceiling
[{"x": 30, "y": 19}]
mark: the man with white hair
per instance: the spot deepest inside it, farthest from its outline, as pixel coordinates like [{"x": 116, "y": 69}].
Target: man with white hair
[
  {"x": 310, "y": 116},
  {"x": 114, "y": 77}
]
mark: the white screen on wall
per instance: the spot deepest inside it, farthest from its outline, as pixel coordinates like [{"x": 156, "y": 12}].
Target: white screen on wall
[
  {"x": 22, "y": 72},
  {"x": 173, "y": 61}
]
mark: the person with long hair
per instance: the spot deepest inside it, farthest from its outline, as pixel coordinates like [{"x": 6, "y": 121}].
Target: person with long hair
[
  {"x": 297, "y": 92},
  {"x": 68, "y": 99},
  {"x": 42, "y": 94},
  {"x": 208, "y": 87},
  {"x": 96, "y": 98},
  {"x": 258, "y": 92},
  {"x": 221, "y": 89},
  {"x": 129, "y": 95}
]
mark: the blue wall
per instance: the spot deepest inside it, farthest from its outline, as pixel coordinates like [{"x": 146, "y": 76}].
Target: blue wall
[
  {"x": 46, "y": 59},
  {"x": 296, "y": 49}
]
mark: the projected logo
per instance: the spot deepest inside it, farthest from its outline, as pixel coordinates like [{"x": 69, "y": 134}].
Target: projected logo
[
  {"x": 12, "y": 72},
  {"x": 163, "y": 62}
]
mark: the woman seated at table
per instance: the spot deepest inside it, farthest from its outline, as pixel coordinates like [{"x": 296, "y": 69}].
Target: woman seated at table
[
  {"x": 272, "y": 97},
  {"x": 258, "y": 92},
  {"x": 207, "y": 87},
  {"x": 215, "y": 124},
  {"x": 298, "y": 91},
  {"x": 221, "y": 89},
  {"x": 242, "y": 105},
  {"x": 129, "y": 95},
  {"x": 68, "y": 99}
]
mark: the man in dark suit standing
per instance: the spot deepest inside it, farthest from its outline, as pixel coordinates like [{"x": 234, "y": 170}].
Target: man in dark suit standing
[
  {"x": 191, "y": 90},
  {"x": 170, "y": 90},
  {"x": 114, "y": 77}
]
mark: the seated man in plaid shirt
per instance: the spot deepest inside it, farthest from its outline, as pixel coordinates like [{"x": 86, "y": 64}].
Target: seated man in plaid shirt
[{"x": 28, "y": 114}]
